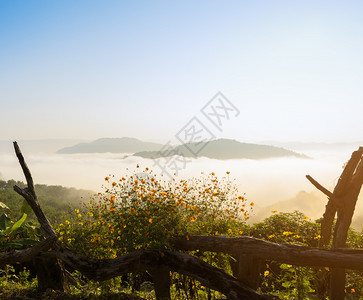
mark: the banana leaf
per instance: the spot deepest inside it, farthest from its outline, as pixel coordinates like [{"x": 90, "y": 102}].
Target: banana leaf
[{"x": 16, "y": 225}]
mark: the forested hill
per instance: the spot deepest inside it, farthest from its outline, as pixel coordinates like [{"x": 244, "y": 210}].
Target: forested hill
[
  {"x": 56, "y": 201},
  {"x": 223, "y": 149}
]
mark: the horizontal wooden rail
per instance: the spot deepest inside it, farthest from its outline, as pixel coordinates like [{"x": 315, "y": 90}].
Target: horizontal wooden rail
[
  {"x": 284, "y": 253},
  {"x": 139, "y": 261},
  {"x": 27, "y": 254}
]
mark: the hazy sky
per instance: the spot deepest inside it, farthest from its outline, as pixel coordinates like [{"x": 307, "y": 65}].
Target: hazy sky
[{"x": 88, "y": 69}]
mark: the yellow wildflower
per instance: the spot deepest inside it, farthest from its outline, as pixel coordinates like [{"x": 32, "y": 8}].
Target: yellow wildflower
[{"x": 287, "y": 233}]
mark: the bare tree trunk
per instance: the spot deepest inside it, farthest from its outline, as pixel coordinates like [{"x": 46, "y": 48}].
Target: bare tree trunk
[{"x": 50, "y": 273}]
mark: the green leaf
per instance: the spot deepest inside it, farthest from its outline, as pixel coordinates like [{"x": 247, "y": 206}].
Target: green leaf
[
  {"x": 16, "y": 225},
  {"x": 4, "y": 221},
  {"x": 286, "y": 284},
  {"x": 25, "y": 208}
]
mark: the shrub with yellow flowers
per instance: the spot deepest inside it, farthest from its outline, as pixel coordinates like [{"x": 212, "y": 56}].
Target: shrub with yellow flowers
[
  {"x": 292, "y": 227},
  {"x": 143, "y": 211}
]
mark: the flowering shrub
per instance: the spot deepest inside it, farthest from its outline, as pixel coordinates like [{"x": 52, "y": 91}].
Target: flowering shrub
[
  {"x": 293, "y": 228},
  {"x": 142, "y": 211}
]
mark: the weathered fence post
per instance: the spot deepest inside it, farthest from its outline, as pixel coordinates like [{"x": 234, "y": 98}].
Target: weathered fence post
[
  {"x": 161, "y": 280},
  {"x": 341, "y": 202},
  {"x": 247, "y": 269}
]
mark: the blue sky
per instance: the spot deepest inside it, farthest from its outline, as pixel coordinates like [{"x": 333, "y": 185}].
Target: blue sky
[{"x": 87, "y": 69}]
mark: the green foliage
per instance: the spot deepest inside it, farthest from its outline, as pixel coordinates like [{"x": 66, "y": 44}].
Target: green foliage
[
  {"x": 15, "y": 227},
  {"x": 17, "y": 234},
  {"x": 54, "y": 200},
  {"x": 295, "y": 282},
  {"x": 288, "y": 228},
  {"x": 14, "y": 284}
]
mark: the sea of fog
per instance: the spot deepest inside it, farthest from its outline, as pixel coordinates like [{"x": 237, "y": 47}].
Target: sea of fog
[{"x": 271, "y": 184}]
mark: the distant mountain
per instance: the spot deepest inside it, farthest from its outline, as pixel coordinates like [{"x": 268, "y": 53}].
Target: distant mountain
[
  {"x": 37, "y": 146},
  {"x": 223, "y": 149},
  {"x": 113, "y": 145}
]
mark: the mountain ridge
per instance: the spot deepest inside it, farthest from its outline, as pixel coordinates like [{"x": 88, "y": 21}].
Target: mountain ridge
[
  {"x": 112, "y": 145},
  {"x": 223, "y": 149},
  {"x": 216, "y": 149}
]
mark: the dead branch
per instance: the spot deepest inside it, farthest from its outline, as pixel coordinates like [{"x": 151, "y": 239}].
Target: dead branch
[
  {"x": 50, "y": 274},
  {"x": 30, "y": 196},
  {"x": 319, "y": 186}
]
